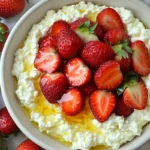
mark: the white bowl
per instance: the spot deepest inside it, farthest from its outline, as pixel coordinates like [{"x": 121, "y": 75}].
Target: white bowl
[{"x": 17, "y": 36}]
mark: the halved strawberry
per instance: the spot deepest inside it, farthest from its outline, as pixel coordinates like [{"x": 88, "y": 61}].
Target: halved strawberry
[
  {"x": 47, "y": 60},
  {"x": 136, "y": 96},
  {"x": 109, "y": 19},
  {"x": 77, "y": 72},
  {"x": 140, "y": 58},
  {"x": 108, "y": 76},
  {"x": 121, "y": 109},
  {"x": 95, "y": 53},
  {"x": 88, "y": 88},
  {"x": 53, "y": 86},
  {"x": 102, "y": 104},
  {"x": 116, "y": 36},
  {"x": 57, "y": 27},
  {"x": 47, "y": 41},
  {"x": 69, "y": 44},
  {"x": 72, "y": 102}
]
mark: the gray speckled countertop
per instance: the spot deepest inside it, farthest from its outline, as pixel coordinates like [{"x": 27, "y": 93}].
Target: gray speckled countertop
[{"x": 12, "y": 142}]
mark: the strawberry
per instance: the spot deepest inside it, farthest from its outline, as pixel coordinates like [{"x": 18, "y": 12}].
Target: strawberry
[
  {"x": 121, "y": 109},
  {"x": 72, "y": 102},
  {"x": 47, "y": 41},
  {"x": 136, "y": 96},
  {"x": 95, "y": 53},
  {"x": 116, "y": 36},
  {"x": 86, "y": 29},
  {"x": 102, "y": 104},
  {"x": 109, "y": 19},
  {"x": 69, "y": 44},
  {"x": 53, "y": 86},
  {"x": 77, "y": 72},
  {"x": 108, "y": 76},
  {"x": 47, "y": 60},
  {"x": 140, "y": 58},
  {"x": 28, "y": 145},
  {"x": 57, "y": 27},
  {"x": 10, "y": 9},
  {"x": 4, "y": 32},
  {"x": 125, "y": 63},
  {"x": 88, "y": 88},
  {"x": 7, "y": 125}
]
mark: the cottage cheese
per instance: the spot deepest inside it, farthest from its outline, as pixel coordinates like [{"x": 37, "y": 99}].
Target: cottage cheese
[{"x": 83, "y": 131}]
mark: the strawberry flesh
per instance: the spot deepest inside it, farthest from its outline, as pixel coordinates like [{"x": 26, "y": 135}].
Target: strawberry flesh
[
  {"x": 72, "y": 102},
  {"x": 53, "y": 86},
  {"x": 95, "y": 53},
  {"x": 47, "y": 60},
  {"x": 140, "y": 58},
  {"x": 77, "y": 72},
  {"x": 102, "y": 104},
  {"x": 108, "y": 76},
  {"x": 109, "y": 19},
  {"x": 136, "y": 96},
  {"x": 121, "y": 109}
]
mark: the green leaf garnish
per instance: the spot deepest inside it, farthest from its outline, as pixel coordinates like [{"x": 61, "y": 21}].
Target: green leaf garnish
[
  {"x": 130, "y": 80},
  {"x": 92, "y": 28}
]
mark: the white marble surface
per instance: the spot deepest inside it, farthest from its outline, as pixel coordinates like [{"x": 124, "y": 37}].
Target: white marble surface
[{"x": 13, "y": 141}]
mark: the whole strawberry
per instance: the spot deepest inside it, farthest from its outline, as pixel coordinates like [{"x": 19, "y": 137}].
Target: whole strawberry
[
  {"x": 28, "y": 145},
  {"x": 7, "y": 125},
  {"x": 4, "y": 32}
]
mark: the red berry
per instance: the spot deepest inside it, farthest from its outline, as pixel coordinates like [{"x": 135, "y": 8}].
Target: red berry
[
  {"x": 47, "y": 41},
  {"x": 136, "y": 96},
  {"x": 121, "y": 108},
  {"x": 108, "y": 76},
  {"x": 69, "y": 44},
  {"x": 116, "y": 36},
  {"x": 47, "y": 60},
  {"x": 53, "y": 86},
  {"x": 95, "y": 53},
  {"x": 140, "y": 58},
  {"x": 7, "y": 125},
  {"x": 28, "y": 145},
  {"x": 88, "y": 88},
  {"x": 57, "y": 27},
  {"x": 102, "y": 104},
  {"x": 109, "y": 19},
  {"x": 72, "y": 102},
  {"x": 77, "y": 72},
  {"x": 11, "y": 8},
  {"x": 125, "y": 63}
]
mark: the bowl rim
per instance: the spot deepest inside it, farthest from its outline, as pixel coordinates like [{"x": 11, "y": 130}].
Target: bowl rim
[{"x": 2, "y": 83}]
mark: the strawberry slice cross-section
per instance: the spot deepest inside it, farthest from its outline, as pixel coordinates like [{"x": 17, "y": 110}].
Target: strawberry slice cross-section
[
  {"x": 77, "y": 72},
  {"x": 47, "y": 60},
  {"x": 102, "y": 104},
  {"x": 72, "y": 102}
]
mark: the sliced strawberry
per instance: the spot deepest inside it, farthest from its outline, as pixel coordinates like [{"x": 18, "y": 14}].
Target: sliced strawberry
[
  {"x": 57, "y": 27},
  {"x": 77, "y": 72},
  {"x": 140, "y": 58},
  {"x": 47, "y": 60},
  {"x": 69, "y": 44},
  {"x": 109, "y": 19},
  {"x": 53, "y": 86},
  {"x": 102, "y": 104},
  {"x": 95, "y": 53},
  {"x": 121, "y": 109},
  {"x": 136, "y": 96},
  {"x": 125, "y": 63},
  {"x": 88, "y": 88},
  {"x": 108, "y": 76},
  {"x": 47, "y": 41},
  {"x": 72, "y": 102},
  {"x": 116, "y": 36}
]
